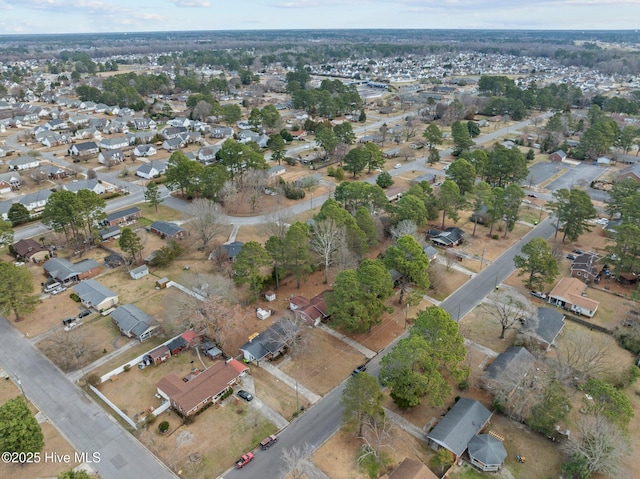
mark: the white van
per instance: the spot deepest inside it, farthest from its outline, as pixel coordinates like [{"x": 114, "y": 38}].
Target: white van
[{"x": 50, "y": 287}]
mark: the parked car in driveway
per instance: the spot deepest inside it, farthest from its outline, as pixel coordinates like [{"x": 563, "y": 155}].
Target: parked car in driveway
[
  {"x": 246, "y": 395},
  {"x": 68, "y": 321},
  {"x": 58, "y": 290},
  {"x": 397, "y": 166},
  {"x": 84, "y": 313},
  {"x": 571, "y": 256},
  {"x": 538, "y": 294}
]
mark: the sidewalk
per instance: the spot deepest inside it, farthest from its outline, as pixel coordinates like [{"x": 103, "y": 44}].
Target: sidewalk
[
  {"x": 402, "y": 423},
  {"x": 289, "y": 381},
  {"x": 354, "y": 344},
  {"x": 74, "y": 376}
]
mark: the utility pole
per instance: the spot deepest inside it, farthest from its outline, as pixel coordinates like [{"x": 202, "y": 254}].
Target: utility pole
[{"x": 482, "y": 259}]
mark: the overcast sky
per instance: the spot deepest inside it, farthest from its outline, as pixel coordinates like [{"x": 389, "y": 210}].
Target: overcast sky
[{"x": 85, "y": 16}]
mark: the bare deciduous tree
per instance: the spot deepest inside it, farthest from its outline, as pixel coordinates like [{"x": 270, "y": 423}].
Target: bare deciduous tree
[
  {"x": 230, "y": 195},
  {"x": 598, "y": 446},
  {"x": 297, "y": 464},
  {"x": 70, "y": 350},
  {"x": 326, "y": 239},
  {"x": 437, "y": 276},
  {"x": 207, "y": 222},
  {"x": 277, "y": 224},
  {"x": 404, "y": 228},
  {"x": 584, "y": 355},
  {"x": 292, "y": 331},
  {"x": 508, "y": 309},
  {"x": 376, "y": 434}
]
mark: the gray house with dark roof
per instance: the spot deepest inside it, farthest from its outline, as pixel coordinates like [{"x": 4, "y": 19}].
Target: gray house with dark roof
[
  {"x": 64, "y": 271},
  {"x": 508, "y": 369},
  {"x": 133, "y": 322},
  {"x": 128, "y": 215},
  {"x": 548, "y": 326},
  {"x": 464, "y": 420},
  {"x": 166, "y": 229},
  {"x": 95, "y": 295},
  {"x": 268, "y": 344}
]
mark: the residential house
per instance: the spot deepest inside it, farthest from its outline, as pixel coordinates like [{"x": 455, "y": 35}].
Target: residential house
[
  {"x": 110, "y": 232},
  {"x": 299, "y": 134},
  {"x": 481, "y": 216},
  {"x": 231, "y": 250},
  {"x": 276, "y": 171},
  {"x": 604, "y": 161},
  {"x": 585, "y": 267},
  {"x": 145, "y": 150},
  {"x": 30, "y": 250},
  {"x": 314, "y": 311},
  {"x": 63, "y": 271},
  {"x": 431, "y": 252},
  {"x": 171, "y": 132},
  {"x": 116, "y": 126},
  {"x": 173, "y": 144},
  {"x": 464, "y": 420},
  {"x": 169, "y": 230},
  {"x": 5, "y": 188},
  {"x": 36, "y": 201},
  {"x": 133, "y": 322},
  {"x": 190, "y": 137},
  {"x": 52, "y": 172},
  {"x": 123, "y": 217},
  {"x": 392, "y": 153},
  {"x": 92, "y": 185},
  {"x": 153, "y": 169},
  {"x": 452, "y": 236},
  {"x": 139, "y": 272},
  {"x": 410, "y": 469},
  {"x": 77, "y": 119},
  {"x": 23, "y": 163},
  {"x": 13, "y": 178},
  {"x": 207, "y": 154},
  {"x": 111, "y": 157},
  {"x": 632, "y": 172},
  {"x": 95, "y": 295},
  {"x": 117, "y": 142},
  {"x": 144, "y": 123},
  {"x": 54, "y": 138},
  {"x": 209, "y": 386},
  {"x": 158, "y": 355},
  {"x": 179, "y": 122},
  {"x": 177, "y": 345},
  {"x": 141, "y": 137},
  {"x": 570, "y": 294},
  {"x": 87, "y": 133},
  {"x": 56, "y": 125},
  {"x": 558, "y": 156},
  {"x": 221, "y": 132},
  {"x": 5, "y": 206},
  {"x": 547, "y": 326},
  {"x": 486, "y": 452},
  {"x": 508, "y": 369},
  {"x": 270, "y": 343},
  {"x": 87, "y": 148}
]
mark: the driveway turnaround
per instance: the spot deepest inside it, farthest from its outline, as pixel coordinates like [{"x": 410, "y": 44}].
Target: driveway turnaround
[{"x": 108, "y": 448}]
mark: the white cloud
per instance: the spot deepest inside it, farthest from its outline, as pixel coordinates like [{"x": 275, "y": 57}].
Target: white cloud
[{"x": 191, "y": 3}]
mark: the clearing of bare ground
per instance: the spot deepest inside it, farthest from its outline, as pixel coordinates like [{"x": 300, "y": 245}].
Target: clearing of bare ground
[
  {"x": 325, "y": 362},
  {"x": 337, "y": 458}
]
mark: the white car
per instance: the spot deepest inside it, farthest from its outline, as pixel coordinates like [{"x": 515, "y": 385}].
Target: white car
[{"x": 397, "y": 166}]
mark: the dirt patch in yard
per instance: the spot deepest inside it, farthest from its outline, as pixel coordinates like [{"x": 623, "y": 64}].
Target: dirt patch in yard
[{"x": 326, "y": 362}]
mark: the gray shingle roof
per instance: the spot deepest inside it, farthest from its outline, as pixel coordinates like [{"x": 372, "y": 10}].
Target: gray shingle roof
[
  {"x": 131, "y": 319},
  {"x": 462, "y": 422},
  {"x": 166, "y": 227},
  {"x": 550, "y": 323},
  {"x": 487, "y": 449},
  {"x": 63, "y": 270},
  {"x": 92, "y": 292},
  {"x": 514, "y": 359},
  {"x": 270, "y": 341}
]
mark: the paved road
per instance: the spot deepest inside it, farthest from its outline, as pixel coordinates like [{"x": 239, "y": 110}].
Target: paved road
[{"x": 82, "y": 422}]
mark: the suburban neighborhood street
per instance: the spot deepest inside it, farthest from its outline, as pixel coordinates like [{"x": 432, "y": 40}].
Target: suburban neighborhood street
[
  {"x": 87, "y": 426},
  {"x": 318, "y": 424}
]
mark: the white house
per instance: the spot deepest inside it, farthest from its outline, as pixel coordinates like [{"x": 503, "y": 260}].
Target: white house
[
  {"x": 92, "y": 185},
  {"x": 114, "y": 143},
  {"x": 145, "y": 150},
  {"x": 152, "y": 169},
  {"x": 35, "y": 201},
  {"x": 23, "y": 163},
  {"x": 95, "y": 295},
  {"x": 111, "y": 157}
]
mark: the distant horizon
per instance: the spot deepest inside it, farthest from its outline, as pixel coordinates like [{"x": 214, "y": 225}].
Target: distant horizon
[
  {"x": 59, "y": 17},
  {"x": 320, "y": 29}
]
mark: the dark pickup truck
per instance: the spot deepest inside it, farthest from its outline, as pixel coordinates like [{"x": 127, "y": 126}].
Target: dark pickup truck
[{"x": 267, "y": 442}]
